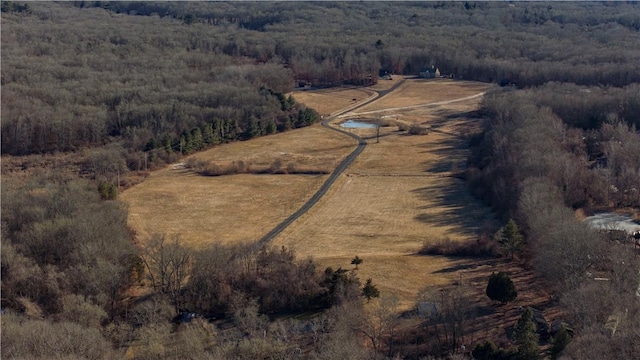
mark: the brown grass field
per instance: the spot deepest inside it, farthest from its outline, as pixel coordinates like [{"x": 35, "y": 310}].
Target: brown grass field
[
  {"x": 204, "y": 209},
  {"x": 398, "y": 194},
  {"x": 327, "y": 101},
  {"x": 425, "y": 91}
]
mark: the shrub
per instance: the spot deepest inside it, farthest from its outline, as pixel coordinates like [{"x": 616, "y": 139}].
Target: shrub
[
  {"x": 418, "y": 130},
  {"x": 31, "y": 339},
  {"x": 107, "y": 190},
  {"x": 76, "y": 309},
  {"x": 490, "y": 351},
  {"x": 501, "y": 288},
  {"x": 370, "y": 291},
  {"x": 560, "y": 341},
  {"x": 482, "y": 247},
  {"x": 195, "y": 164},
  {"x": 485, "y": 351}
]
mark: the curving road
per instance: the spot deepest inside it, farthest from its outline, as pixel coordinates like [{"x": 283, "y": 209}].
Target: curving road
[{"x": 334, "y": 175}]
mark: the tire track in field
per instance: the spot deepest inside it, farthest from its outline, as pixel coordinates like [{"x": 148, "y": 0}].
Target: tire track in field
[
  {"x": 437, "y": 103},
  {"x": 362, "y": 143}
]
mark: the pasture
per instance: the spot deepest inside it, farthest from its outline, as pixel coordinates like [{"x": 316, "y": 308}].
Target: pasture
[
  {"x": 398, "y": 194},
  {"x": 224, "y": 209}
]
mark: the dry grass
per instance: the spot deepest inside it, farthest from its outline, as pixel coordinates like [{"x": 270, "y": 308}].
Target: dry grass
[
  {"x": 327, "y": 101},
  {"x": 418, "y": 92},
  {"x": 398, "y": 193},
  {"x": 384, "y": 270},
  {"x": 281, "y": 163},
  {"x": 387, "y": 84},
  {"x": 227, "y": 209}
]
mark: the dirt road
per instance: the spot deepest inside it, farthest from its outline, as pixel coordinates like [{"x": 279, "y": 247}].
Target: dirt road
[
  {"x": 336, "y": 173},
  {"x": 351, "y": 157}
]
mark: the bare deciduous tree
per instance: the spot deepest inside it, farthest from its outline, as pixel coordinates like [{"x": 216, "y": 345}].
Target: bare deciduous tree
[
  {"x": 447, "y": 312},
  {"x": 168, "y": 265},
  {"x": 379, "y": 322}
]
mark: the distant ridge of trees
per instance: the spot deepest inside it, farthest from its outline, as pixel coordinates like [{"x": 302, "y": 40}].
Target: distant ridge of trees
[
  {"x": 496, "y": 45},
  {"x": 222, "y": 71}
]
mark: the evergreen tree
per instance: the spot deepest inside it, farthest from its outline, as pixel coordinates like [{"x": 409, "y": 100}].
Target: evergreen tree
[
  {"x": 208, "y": 135},
  {"x": 167, "y": 142},
  {"x": 272, "y": 128},
  {"x": 289, "y": 103},
  {"x": 526, "y": 337},
  {"x": 342, "y": 284},
  {"x": 188, "y": 147},
  {"x": 218, "y": 129},
  {"x": 560, "y": 341},
  {"x": 501, "y": 288},
  {"x": 183, "y": 144},
  {"x": 288, "y": 123},
  {"x": 198, "y": 139},
  {"x": 253, "y": 128},
  {"x": 231, "y": 129},
  {"x": 511, "y": 241},
  {"x": 356, "y": 261},
  {"x": 485, "y": 351},
  {"x": 370, "y": 291}
]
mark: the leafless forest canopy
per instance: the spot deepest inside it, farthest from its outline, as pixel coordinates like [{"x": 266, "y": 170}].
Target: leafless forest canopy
[{"x": 129, "y": 86}]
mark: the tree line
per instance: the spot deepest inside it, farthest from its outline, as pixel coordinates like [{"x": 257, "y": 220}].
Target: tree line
[
  {"x": 131, "y": 84},
  {"x": 544, "y": 153},
  {"x": 68, "y": 85},
  {"x": 517, "y": 43},
  {"x": 69, "y": 268}
]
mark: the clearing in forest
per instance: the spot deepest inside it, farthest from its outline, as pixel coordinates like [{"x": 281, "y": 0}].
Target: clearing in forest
[
  {"x": 232, "y": 208},
  {"x": 423, "y": 91},
  {"x": 327, "y": 101},
  {"x": 399, "y": 193}
]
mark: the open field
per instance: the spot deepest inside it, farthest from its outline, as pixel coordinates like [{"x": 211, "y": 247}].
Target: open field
[
  {"x": 225, "y": 209},
  {"x": 424, "y": 91},
  {"x": 327, "y": 101},
  {"x": 397, "y": 194},
  {"x": 384, "y": 84}
]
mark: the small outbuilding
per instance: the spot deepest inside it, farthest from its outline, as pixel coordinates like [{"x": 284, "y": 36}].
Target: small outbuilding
[{"x": 429, "y": 72}]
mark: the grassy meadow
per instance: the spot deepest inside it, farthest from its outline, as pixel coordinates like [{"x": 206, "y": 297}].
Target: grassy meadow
[{"x": 398, "y": 194}]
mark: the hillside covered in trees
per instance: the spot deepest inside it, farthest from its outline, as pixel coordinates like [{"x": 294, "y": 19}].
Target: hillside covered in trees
[
  {"x": 181, "y": 76},
  {"x": 128, "y": 86}
]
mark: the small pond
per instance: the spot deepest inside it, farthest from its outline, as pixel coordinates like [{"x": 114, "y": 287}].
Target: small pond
[
  {"x": 612, "y": 221},
  {"x": 354, "y": 124}
]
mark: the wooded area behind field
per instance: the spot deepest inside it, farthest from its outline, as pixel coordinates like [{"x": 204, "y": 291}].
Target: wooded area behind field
[{"x": 125, "y": 87}]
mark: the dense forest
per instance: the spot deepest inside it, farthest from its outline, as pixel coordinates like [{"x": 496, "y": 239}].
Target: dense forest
[
  {"x": 128, "y": 86},
  {"x": 538, "y": 161}
]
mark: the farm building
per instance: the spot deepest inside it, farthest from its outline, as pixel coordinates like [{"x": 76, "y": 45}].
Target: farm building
[{"x": 429, "y": 72}]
